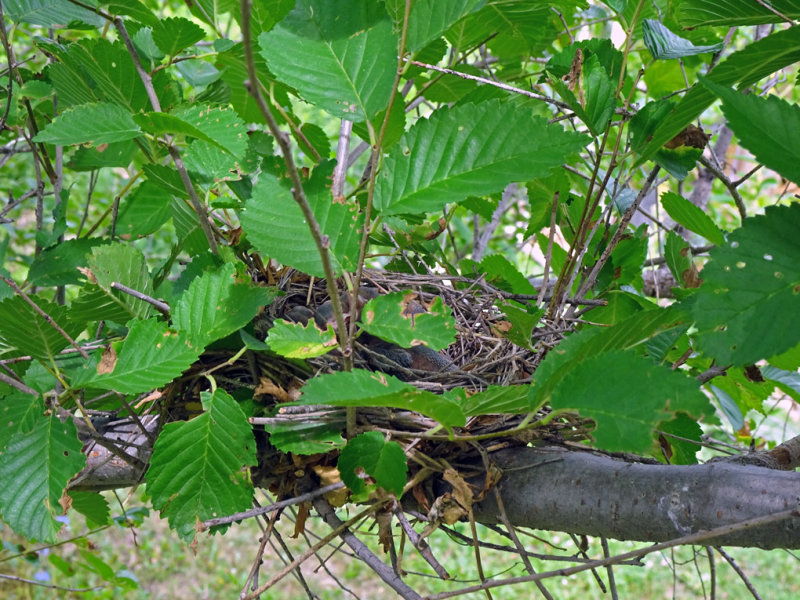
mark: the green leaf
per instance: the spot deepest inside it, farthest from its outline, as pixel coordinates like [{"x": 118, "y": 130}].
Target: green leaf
[
  {"x": 219, "y": 124},
  {"x": 196, "y": 473},
  {"x": 678, "y": 256},
  {"x": 365, "y": 388},
  {"x": 440, "y": 160},
  {"x": 58, "y": 265},
  {"x": 93, "y": 506},
  {"x": 344, "y": 65},
  {"x": 746, "y": 308},
  {"x": 304, "y": 437},
  {"x": 216, "y": 305},
  {"x": 389, "y": 317},
  {"x": 158, "y": 123},
  {"x": 49, "y": 13},
  {"x": 522, "y": 322},
  {"x": 714, "y": 13},
  {"x": 595, "y": 106},
  {"x": 627, "y": 396},
  {"x": 664, "y": 44},
  {"x": 119, "y": 154},
  {"x": 123, "y": 264},
  {"x": 93, "y": 124},
  {"x": 35, "y": 468},
  {"x": 384, "y": 461},
  {"x": 729, "y": 408},
  {"x": 146, "y": 209},
  {"x": 746, "y": 66},
  {"x": 176, "y": 33},
  {"x": 23, "y": 328},
  {"x": 687, "y": 443},
  {"x": 497, "y": 399},
  {"x": 429, "y": 19},
  {"x": 19, "y": 413},
  {"x": 499, "y": 271},
  {"x": 275, "y": 224},
  {"x": 294, "y": 340},
  {"x": 691, "y": 217},
  {"x": 150, "y": 356},
  {"x": 629, "y": 334},
  {"x": 768, "y": 127}
]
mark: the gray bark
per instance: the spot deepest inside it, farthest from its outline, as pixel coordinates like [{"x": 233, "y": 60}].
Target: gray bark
[{"x": 585, "y": 493}]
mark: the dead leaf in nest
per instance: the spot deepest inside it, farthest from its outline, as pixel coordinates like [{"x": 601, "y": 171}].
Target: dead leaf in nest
[
  {"x": 501, "y": 327},
  {"x": 493, "y": 475},
  {"x": 421, "y": 498},
  {"x": 88, "y": 273},
  {"x": 384, "y": 519},
  {"x": 462, "y": 491},
  {"x": 267, "y": 387},
  {"x": 327, "y": 476},
  {"x": 445, "y": 510},
  {"x": 303, "y": 511},
  {"x": 107, "y": 362}
]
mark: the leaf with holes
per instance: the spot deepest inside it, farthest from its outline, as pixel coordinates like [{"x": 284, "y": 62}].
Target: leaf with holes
[
  {"x": 747, "y": 307},
  {"x": 395, "y": 318},
  {"x": 35, "y": 468},
  {"x": 196, "y": 471},
  {"x": 371, "y": 454}
]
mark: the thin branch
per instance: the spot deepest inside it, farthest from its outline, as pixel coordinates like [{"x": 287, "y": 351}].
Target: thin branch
[
  {"x": 10, "y": 283},
  {"x": 742, "y": 575},
  {"x": 693, "y": 538},
  {"x": 254, "y": 512},
  {"x": 162, "y": 307},
  {"x": 17, "y": 385},
  {"x": 49, "y": 585},
  {"x": 342, "y": 150},
  {"x": 737, "y": 197}
]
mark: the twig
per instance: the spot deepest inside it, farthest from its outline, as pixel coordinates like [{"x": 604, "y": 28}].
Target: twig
[
  {"x": 384, "y": 571},
  {"x": 17, "y": 385},
  {"x": 202, "y": 215},
  {"x": 254, "y": 512},
  {"x": 612, "y": 584},
  {"x": 745, "y": 579},
  {"x": 339, "y": 529},
  {"x": 481, "y": 241},
  {"x": 712, "y": 372},
  {"x": 342, "y": 150},
  {"x": 162, "y": 307},
  {"x": 420, "y": 545},
  {"x": 693, "y": 538},
  {"x": 49, "y": 585},
  {"x": 549, "y": 253},
  {"x": 737, "y": 197},
  {"x": 503, "y": 86},
  {"x": 10, "y": 283}
]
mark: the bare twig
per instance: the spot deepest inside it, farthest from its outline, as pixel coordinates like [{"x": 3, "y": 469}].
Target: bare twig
[
  {"x": 162, "y": 307},
  {"x": 17, "y": 385},
  {"x": 342, "y": 150},
  {"x": 737, "y": 197},
  {"x": 745, "y": 579}
]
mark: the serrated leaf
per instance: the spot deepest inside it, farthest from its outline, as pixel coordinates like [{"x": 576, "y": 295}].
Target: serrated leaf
[
  {"x": 498, "y": 271},
  {"x": 58, "y": 265},
  {"x": 441, "y": 160},
  {"x": 497, "y": 399},
  {"x": 316, "y": 137},
  {"x": 91, "y": 505},
  {"x": 385, "y": 317},
  {"x": 294, "y": 340},
  {"x": 365, "y": 388},
  {"x": 627, "y": 396},
  {"x": 305, "y": 437},
  {"x": 344, "y": 65},
  {"x": 746, "y": 308},
  {"x": 95, "y": 304},
  {"x": 664, "y": 44},
  {"x": 158, "y": 123},
  {"x": 715, "y": 13},
  {"x": 744, "y": 67},
  {"x": 23, "y": 328},
  {"x": 144, "y": 210},
  {"x": 768, "y": 127},
  {"x": 521, "y": 321},
  {"x": 597, "y": 99},
  {"x": 119, "y": 154},
  {"x": 429, "y": 19},
  {"x": 691, "y": 217},
  {"x": 174, "y": 34},
  {"x": 19, "y": 413},
  {"x": 384, "y": 461},
  {"x": 196, "y": 473},
  {"x": 220, "y": 124},
  {"x": 167, "y": 178},
  {"x": 578, "y": 347},
  {"x": 49, "y": 13},
  {"x": 35, "y": 468},
  {"x": 123, "y": 264},
  {"x": 275, "y": 225},
  {"x": 216, "y": 305},
  {"x": 92, "y": 124},
  {"x": 150, "y": 356},
  {"x": 678, "y": 256}
]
